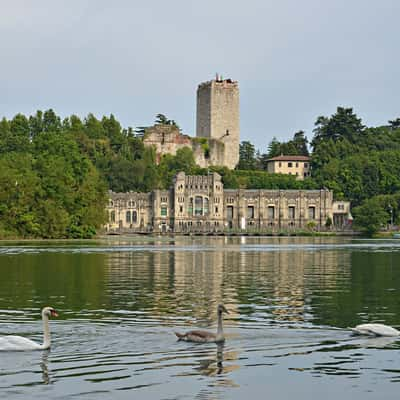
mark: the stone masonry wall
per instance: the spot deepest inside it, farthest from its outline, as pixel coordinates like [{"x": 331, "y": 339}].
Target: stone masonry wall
[{"x": 218, "y": 116}]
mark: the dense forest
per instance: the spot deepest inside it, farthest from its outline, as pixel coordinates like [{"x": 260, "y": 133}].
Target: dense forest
[{"x": 55, "y": 173}]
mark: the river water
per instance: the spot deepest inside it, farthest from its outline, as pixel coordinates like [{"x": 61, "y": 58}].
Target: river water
[{"x": 121, "y": 299}]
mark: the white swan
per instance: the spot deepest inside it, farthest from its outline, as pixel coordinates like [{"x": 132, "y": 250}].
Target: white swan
[
  {"x": 19, "y": 343},
  {"x": 375, "y": 330},
  {"x": 199, "y": 336}
]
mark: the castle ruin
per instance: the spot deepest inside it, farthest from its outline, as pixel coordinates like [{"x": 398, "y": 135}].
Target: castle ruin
[
  {"x": 217, "y": 128},
  {"x": 218, "y": 116}
]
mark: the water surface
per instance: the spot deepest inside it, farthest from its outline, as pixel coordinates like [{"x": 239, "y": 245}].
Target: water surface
[{"x": 120, "y": 300}]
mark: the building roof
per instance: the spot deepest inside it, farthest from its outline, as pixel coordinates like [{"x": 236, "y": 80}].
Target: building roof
[{"x": 289, "y": 158}]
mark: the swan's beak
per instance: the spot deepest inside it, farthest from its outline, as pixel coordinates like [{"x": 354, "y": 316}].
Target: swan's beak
[{"x": 54, "y": 313}]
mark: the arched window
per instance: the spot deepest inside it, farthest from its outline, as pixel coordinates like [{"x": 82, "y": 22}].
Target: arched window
[
  {"x": 206, "y": 206},
  {"x": 198, "y": 206},
  {"x": 112, "y": 216},
  {"x": 128, "y": 217},
  {"x": 190, "y": 208},
  {"x": 134, "y": 217}
]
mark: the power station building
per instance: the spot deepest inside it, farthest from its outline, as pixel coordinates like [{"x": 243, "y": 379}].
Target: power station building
[{"x": 200, "y": 204}]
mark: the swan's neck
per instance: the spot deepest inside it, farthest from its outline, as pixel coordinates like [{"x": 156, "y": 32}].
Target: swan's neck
[
  {"x": 220, "y": 332},
  {"x": 46, "y": 332}
]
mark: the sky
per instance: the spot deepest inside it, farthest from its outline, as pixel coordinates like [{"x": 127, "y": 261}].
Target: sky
[{"x": 294, "y": 60}]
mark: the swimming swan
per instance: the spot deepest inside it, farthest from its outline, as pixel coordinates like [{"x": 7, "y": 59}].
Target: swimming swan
[
  {"x": 200, "y": 336},
  {"x": 19, "y": 343},
  {"x": 375, "y": 330}
]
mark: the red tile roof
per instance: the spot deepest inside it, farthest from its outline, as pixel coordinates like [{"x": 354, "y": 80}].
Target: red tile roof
[{"x": 290, "y": 158}]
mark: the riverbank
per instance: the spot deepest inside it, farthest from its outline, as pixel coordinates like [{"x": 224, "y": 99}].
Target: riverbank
[{"x": 103, "y": 235}]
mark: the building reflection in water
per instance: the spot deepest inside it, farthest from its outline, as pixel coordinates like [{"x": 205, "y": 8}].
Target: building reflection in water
[
  {"x": 182, "y": 285},
  {"x": 246, "y": 275}
]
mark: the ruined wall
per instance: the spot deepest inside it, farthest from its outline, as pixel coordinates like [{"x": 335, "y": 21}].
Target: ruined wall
[{"x": 167, "y": 139}]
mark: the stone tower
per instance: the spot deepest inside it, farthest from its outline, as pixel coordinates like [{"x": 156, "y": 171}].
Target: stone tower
[{"x": 218, "y": 116}]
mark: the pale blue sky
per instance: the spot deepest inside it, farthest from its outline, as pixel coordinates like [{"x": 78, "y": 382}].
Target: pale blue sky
[{"x": 294, "y": 60}]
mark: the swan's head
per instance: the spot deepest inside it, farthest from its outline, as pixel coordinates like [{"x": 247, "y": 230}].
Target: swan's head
[
  {"x": 49, "y": 312},
  {"x": 221, "y": 309}
]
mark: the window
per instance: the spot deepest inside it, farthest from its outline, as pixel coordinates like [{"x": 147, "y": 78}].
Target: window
[
  {"x": 112, "y": 216},
  {"x": 271, "y": 212},
  {"x": 311, "y": 212},
  {"x": 180, "y": 209},
  {"x": 230, "y": 212},
  {"x": 206, "y": 205},
  {"x": 290, "y": 165},
  {"x": 280, "y": 164},
  {"x": 297, "y": 165},
  {"x": 198, "y": 206},
  {"x": 305, "y": 165},
  {"x": 340, "y": 207},
  {"x": 131, "y": 203},
  {"x": 216, "y": 210},
  {"x": 250, "y": 212},
  {"x": 163, "y": 211},
  {"x": 190, "y": 209},
  {"x": 291, "y": 212},
  {"x": 128, "y": 217},
  {"x": 134, "y": 216}
]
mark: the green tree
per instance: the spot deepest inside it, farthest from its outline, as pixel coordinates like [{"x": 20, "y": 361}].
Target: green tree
[
  {"x": 370, "y": 217},
  {"x": 170, "y": 165},
  {"x": 274, "y": 148},
  {"x": 395, "y": 123},
  {"x": 247, "y": 159},
  {"x": 344, "y": 124},
  {"x": 163, "y": 120},
  {"x": 300, "y": 143}
]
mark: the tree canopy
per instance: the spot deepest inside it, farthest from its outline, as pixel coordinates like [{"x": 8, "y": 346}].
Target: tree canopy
[{"x": 55, "y": 173}]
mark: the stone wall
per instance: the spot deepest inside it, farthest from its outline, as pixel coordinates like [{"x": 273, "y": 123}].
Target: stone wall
[
  {"x": 217, "y": 122},
  {"x": 129, "y": 211},
  {"x": 218, "y": 116},
  {"x": 167, "y": 139}
]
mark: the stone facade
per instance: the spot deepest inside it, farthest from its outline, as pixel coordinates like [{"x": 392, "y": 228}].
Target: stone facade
[
  {"x": 217, "y": 141},
  {"x": 167, "y": 139},
  {"x": 290, "y": 165},
  {"x": 201, "y": 204},
  {"x": 218, "y": 116}
]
